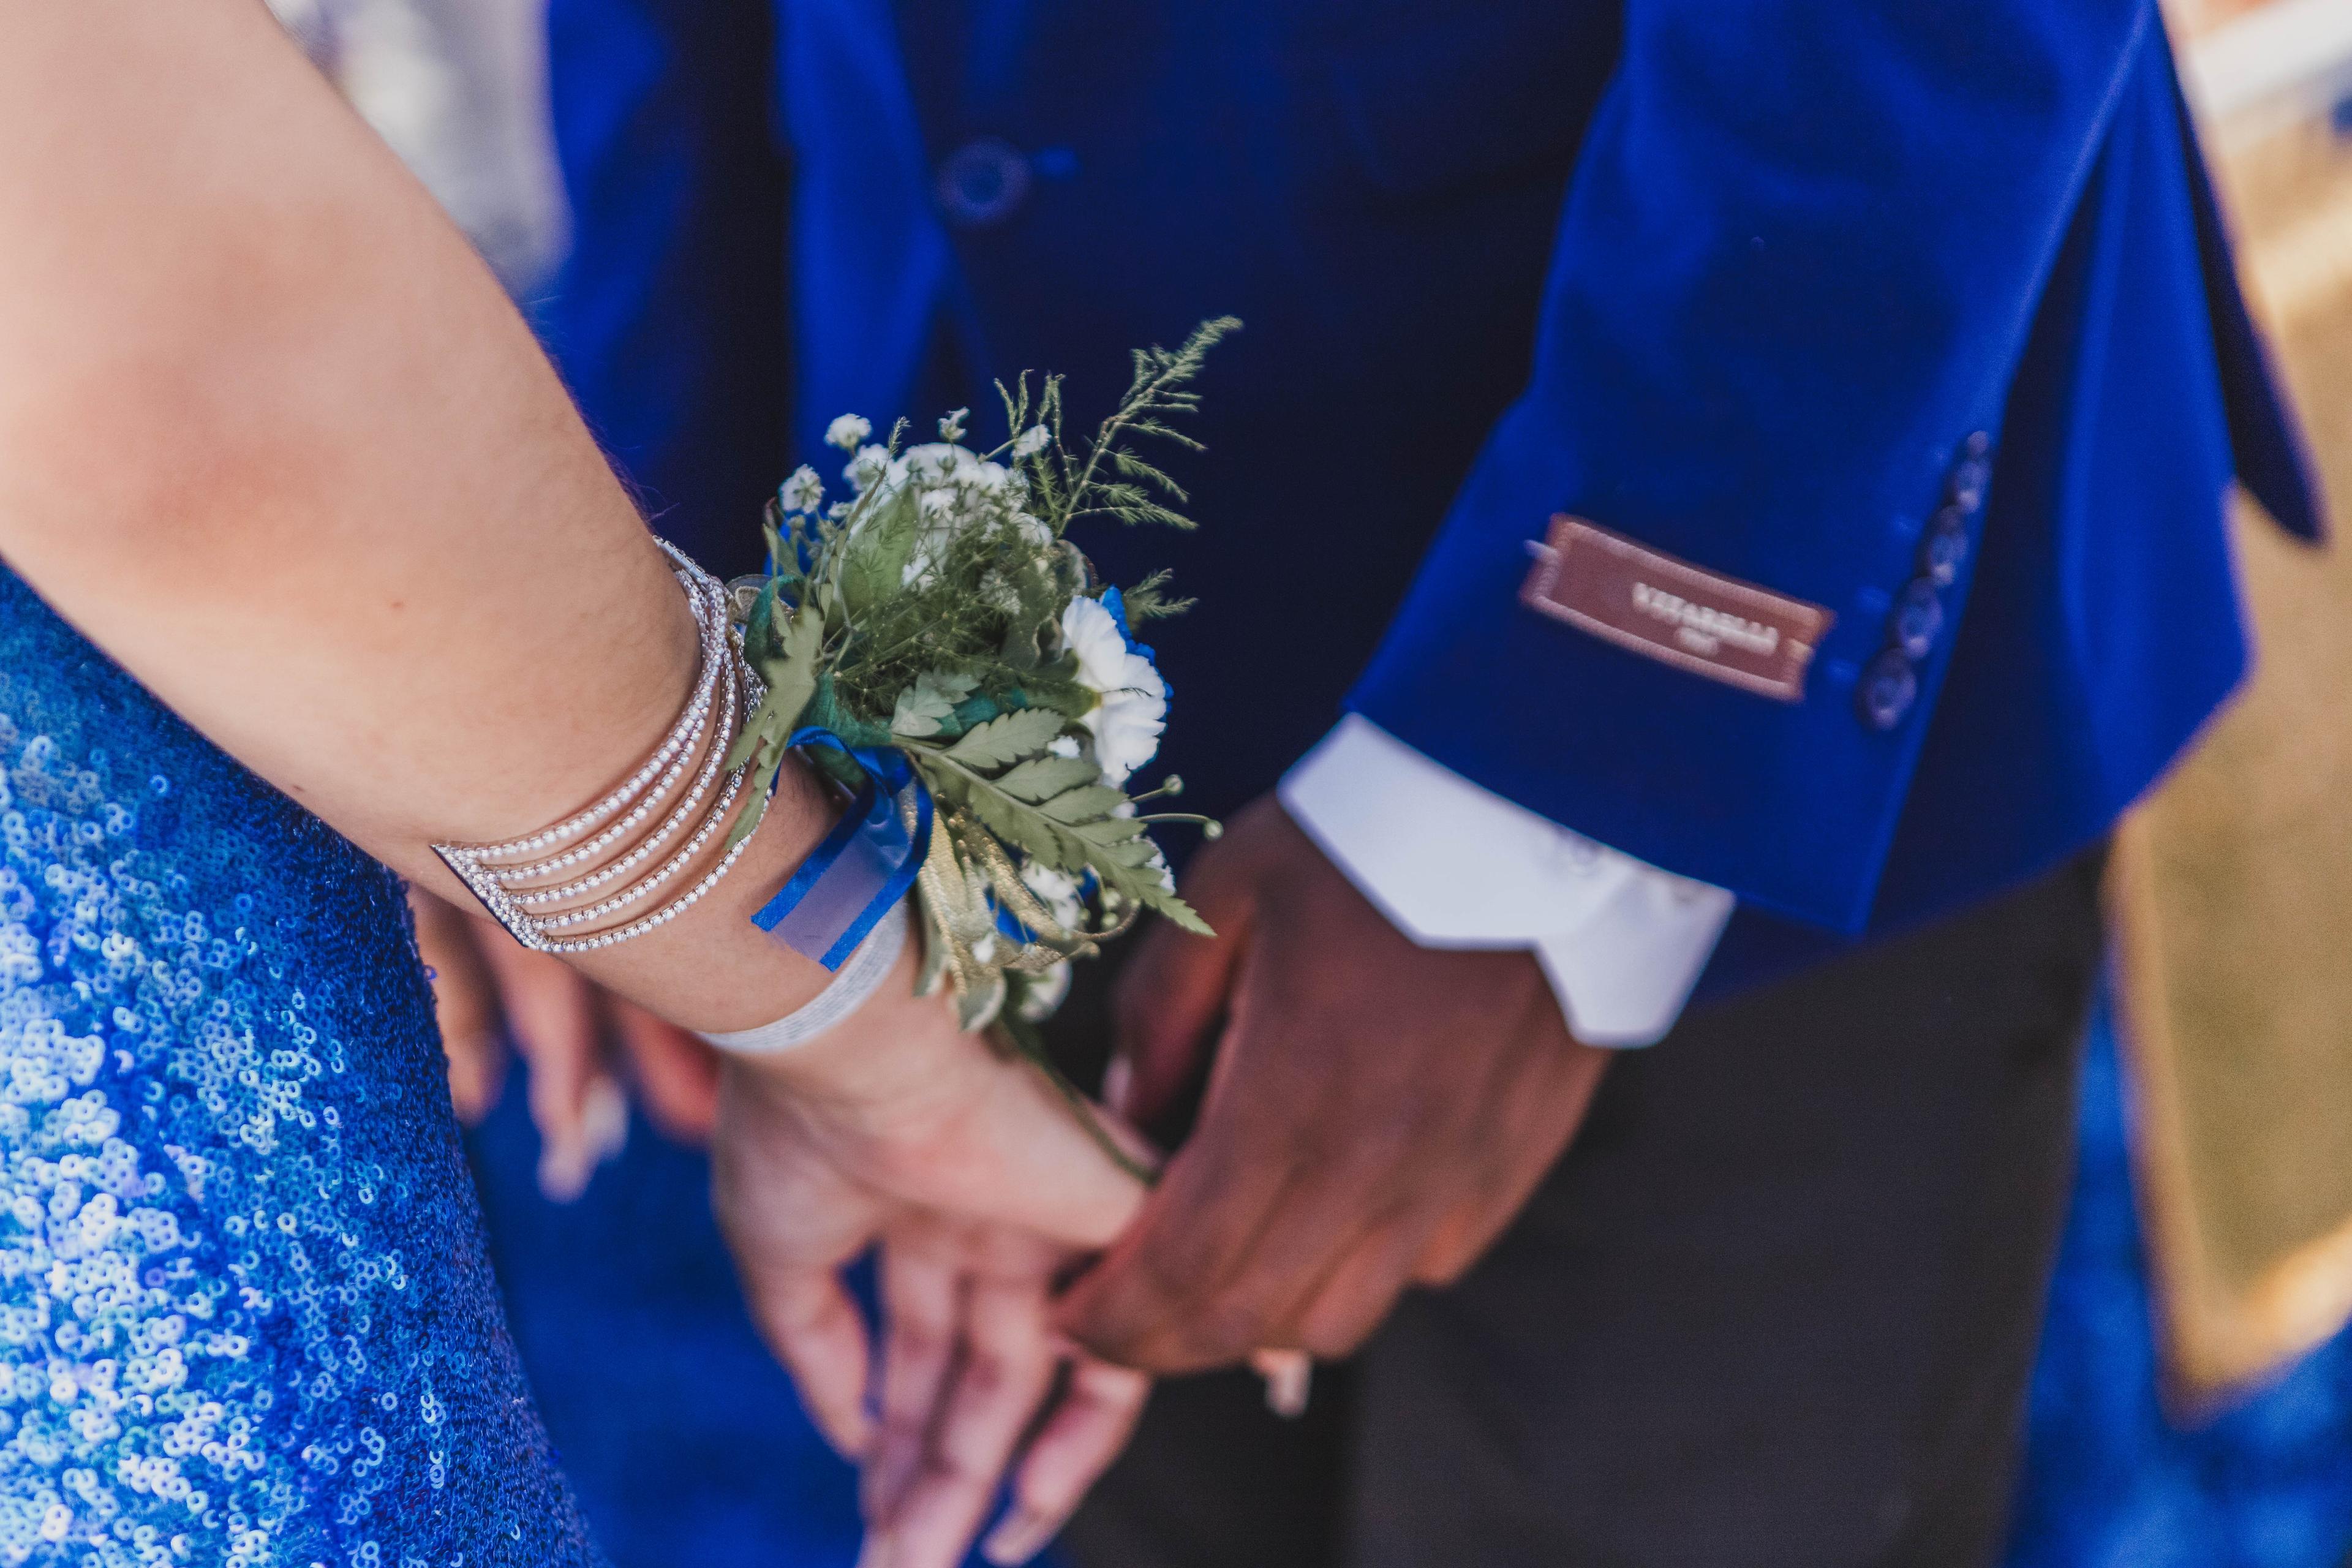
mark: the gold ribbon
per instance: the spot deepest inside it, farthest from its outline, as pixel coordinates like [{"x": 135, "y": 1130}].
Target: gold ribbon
[{"x": 966, "y": 944}]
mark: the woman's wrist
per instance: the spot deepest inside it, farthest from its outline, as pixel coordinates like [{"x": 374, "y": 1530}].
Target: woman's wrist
[
  {"x": 867, "y": 969},
  {"x": 711, "y": 969},
  {"x": 650, "y": 886}
]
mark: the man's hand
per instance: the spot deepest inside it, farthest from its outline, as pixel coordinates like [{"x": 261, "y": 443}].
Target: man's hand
[{"x": 1376, "y": 1113}]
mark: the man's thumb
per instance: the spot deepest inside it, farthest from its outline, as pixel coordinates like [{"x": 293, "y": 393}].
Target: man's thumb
[{"x": 1169, "y": 1005}]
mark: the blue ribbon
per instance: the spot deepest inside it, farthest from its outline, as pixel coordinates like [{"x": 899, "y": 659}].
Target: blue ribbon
[{"x": 863, "y": 866}]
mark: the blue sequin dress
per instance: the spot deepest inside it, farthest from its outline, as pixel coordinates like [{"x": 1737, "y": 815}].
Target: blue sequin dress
[{"x": 247, "y": 1316}]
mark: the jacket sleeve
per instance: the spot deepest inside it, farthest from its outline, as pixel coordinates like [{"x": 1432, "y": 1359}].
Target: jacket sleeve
[{"x": 1797, "y": 266}]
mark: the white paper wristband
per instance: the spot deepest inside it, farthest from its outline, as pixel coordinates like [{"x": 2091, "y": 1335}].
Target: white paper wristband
[{"x": 859, "y": 978}]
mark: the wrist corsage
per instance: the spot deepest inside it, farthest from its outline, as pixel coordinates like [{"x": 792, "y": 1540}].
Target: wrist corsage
[{"x": 938, "y": 645}]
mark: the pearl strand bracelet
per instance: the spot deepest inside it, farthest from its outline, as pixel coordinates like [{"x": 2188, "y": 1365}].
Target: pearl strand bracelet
[{"x": 725, "y": 690}]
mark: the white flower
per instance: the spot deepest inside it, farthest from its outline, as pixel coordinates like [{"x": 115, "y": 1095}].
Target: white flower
[
  {"x": 1090, "y": 633},
  {"x": 1131, "y": 700},
  {"x": 1046, "y": 993},
  {"x": 1029, "y": 442},
  {"x": 848, "y": 432},
  {"x": 952, "y": 427},
  {"x": 869, "y": 468},
  {"x": 941, "y": 510},
  {"x": 804, "y": 492},
  {"x": 935, "y": 461},
  {"x": 1064, "y": 746},
  {"x": 1158, "y": 864},
  {"x": 1057, "y": 891}
]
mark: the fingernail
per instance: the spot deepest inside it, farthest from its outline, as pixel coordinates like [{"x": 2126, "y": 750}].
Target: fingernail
[
  {"x": 1020, "y": 1537},
  {"x": 1289, "y": 1375},
  {"x": 1118, "y": 1082},
  {"x": 564, "y": 1167},
  {"x": 568, "y": 1158},
  {"x": 605, "y": 1118}
]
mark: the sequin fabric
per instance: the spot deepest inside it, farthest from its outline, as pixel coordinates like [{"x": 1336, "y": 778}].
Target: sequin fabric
[{"x": 246, "y": 1315}]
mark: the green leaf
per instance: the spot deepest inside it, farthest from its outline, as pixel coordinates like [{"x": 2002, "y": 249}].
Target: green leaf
[
  {"x": 1014, "y": 823},
  {"x": 760, "y": 738},
  {"x": 1136, "y": 852},
  {"x": 1176, "y": 910},
  {"x": 1007, "y": 738},
  {"x": 1090, "y": 805},
  {"x": 875, "y": 567},
  {"x": 1135, "y": 467},
  {"x": 923, "y": 708},
  {"x": 758, "y": 786},
  {"x": 1042, "y": 778},
  {"x": 1104, "y": 830},
  {"x": 790, "y": 671},
  {"x": 978, "y": 1008}
]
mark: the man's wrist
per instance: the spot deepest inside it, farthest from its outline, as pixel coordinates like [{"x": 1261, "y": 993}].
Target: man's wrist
[{"x": 1454, "y": 865}]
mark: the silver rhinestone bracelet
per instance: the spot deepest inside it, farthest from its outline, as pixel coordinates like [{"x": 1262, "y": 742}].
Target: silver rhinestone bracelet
[{"x": 544, "y": 917}]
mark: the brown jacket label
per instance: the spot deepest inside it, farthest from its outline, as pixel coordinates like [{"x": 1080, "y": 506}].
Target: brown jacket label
[{"x": 1670, "y": 610}]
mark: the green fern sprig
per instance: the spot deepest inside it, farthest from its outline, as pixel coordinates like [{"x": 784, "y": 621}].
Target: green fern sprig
[{"x": 1112, "y": 479}]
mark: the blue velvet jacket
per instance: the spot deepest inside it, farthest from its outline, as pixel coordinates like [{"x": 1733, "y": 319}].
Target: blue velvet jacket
[{"x": 1737, "y": 280}]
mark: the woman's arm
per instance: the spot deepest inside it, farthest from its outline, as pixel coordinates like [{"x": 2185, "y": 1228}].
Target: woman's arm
[{"x": 271, "y": 434}]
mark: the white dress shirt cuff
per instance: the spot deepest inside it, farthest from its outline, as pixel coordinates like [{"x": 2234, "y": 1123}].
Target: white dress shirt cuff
[{"x": 1454, "y": 865}]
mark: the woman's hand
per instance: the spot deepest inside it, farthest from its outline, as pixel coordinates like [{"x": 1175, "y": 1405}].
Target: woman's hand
[
  {"x": 978, "y": 1394},
  {"x": 976, "y": 1390},
  {"x": 891, "y": 1120},
  {"x": 588, "y": 1049}
]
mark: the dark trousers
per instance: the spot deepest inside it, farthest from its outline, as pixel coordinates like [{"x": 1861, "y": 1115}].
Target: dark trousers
[{"x": 1778, "y": 1304}]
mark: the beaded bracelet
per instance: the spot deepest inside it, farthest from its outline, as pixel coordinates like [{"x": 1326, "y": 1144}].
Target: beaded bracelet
[{"x": 510, "y": 879}]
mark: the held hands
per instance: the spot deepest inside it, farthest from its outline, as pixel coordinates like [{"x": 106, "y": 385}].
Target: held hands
[
  {"x": 893, "y": 1132},
  {"x": 1376, "y": 1114},
  {"x": 980, "y": 1187},
  {"x": 969, "y": 1368}
]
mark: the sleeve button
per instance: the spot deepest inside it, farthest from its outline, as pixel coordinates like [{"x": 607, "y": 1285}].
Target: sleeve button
[
  {"x": 1966, "y": 486},
  {"x": 1918, "y": 616},
  {"x": 1945, "y": 544},
  {"x": 1889, "y": 687}
]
